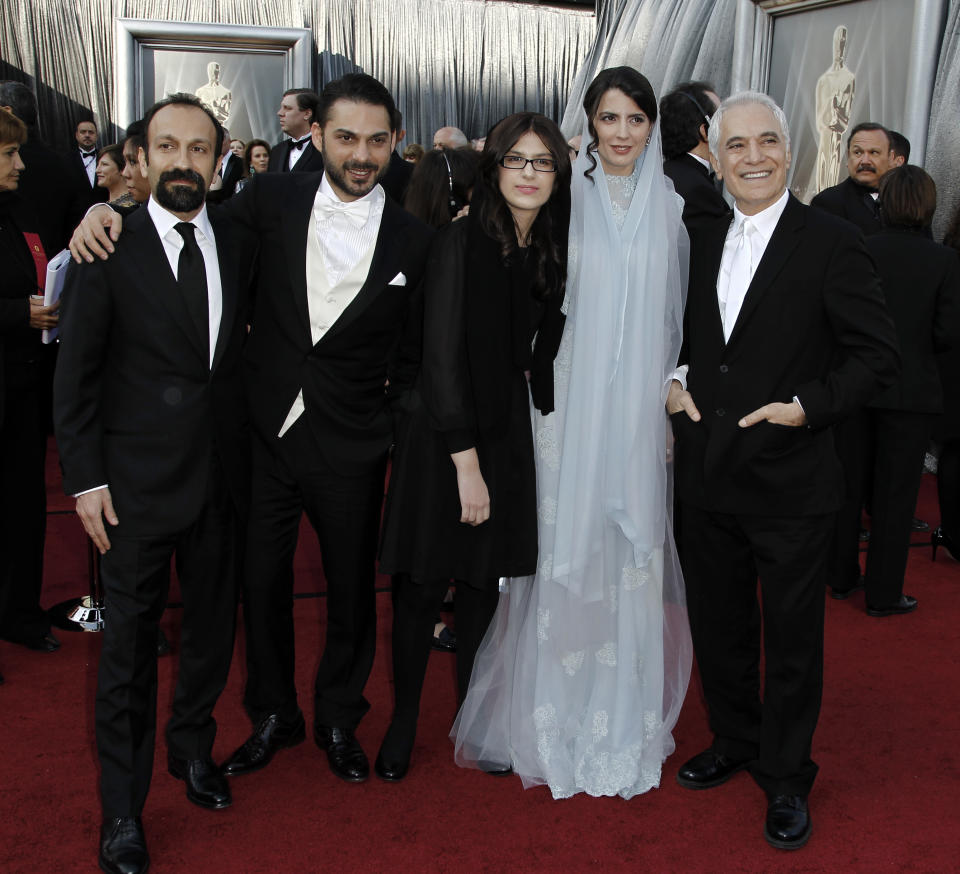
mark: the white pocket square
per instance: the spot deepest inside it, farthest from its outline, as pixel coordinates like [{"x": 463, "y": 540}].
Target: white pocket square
[{"x": 399, "y": 279}]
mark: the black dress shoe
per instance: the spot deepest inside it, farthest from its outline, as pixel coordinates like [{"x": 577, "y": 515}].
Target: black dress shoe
[
  {"x": 123, "y": 848},
  {"x": 843, "y": 594},
  {"x": 270, "y": 735},
  {"x": 44, "y": 643},
  {"x": 206, "y": 785},
  {"x": 391, "y": 770},
  {"x": 709, "y": 769},
  {"x": 347, "y": 758},
  {"x": 445, "y": 641},
  {"x": 919, "y": 525},
  {"x": 495, "y": 769},
  {"x": 906, "y": 604},
  {"x": 939, "y": 537},
  {"x": 788, "y": 822}
]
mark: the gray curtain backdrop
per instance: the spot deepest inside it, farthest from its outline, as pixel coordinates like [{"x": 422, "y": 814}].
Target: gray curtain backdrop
[
  {"x": 942, "y": 159},
  {"x": 669, "y": 41},
  {"x": 461, "y": 62}
]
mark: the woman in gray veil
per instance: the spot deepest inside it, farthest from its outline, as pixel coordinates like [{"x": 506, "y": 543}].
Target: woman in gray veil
[{"x": 582, "y": 673}]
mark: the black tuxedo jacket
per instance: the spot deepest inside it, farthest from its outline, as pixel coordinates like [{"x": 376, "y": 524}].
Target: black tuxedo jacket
[
  {"x": 921, "y": 285},
  {"x": 230, "y": 179},
  {"x": 813, "y": 325},
  {"x": 701, "y": 201},
  {"x": 397, "y": 178},
  {"x": 311, "y": 161},
  {"x": 48, "y": 185},
  {"x": 852, "y": 202},
  {"x": 343, "y": 376},
  {"x": 89, "y": 194},
  {"x": 136, "y": 404}
]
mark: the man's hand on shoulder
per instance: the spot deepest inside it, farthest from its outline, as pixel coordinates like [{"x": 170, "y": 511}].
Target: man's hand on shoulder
[
  {"x": 91, "y": 237},
  {"x": 791, "y": 415},
  {"x": 92, "y": 507},
  {"x": 678, "y": 398}
]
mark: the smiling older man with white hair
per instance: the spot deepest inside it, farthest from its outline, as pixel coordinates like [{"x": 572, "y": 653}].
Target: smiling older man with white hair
[{"x": 786, "y": 334}]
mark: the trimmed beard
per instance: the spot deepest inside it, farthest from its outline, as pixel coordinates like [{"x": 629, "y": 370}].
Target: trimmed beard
[{"x": 178, "y": 198}]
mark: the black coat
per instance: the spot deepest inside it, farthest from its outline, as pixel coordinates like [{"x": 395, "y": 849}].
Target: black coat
[
  {"x": 921, "y": 285},
  {"x": 87, "y": 193},
  {"x": 479, "y": 320},
  {"x": 343, "y": 375},
  {"x": 48, "y": 185},
  {"x": 813, "y": 325},
  {"x": 230, "y": 179},
  {"x": 136, "y": 403},
  {"x": 311, "y": 161},
  {"x": 397, "y": 177},
  {"x": 852, "y": 202},
  {"x": 701, "y": 200}
]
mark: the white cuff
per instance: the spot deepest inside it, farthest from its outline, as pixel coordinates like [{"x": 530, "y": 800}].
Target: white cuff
[
  {"x": 680, "y": 375},
  {"x": 94, "y": 489}
]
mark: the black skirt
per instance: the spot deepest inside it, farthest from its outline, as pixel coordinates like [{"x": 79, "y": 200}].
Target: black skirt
[{"x": 422, "y": 532}]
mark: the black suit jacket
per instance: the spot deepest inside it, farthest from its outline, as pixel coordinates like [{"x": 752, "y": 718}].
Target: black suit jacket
[
  {"x": 343, "y": 376},
  {"x": 136, "y": 403},
  {"x": 813, "y": 325},
  {"x": 701, "y": 201},
  {"x": 921, "y": 285},
  {"x": 311, "y": 161},
  {"x": 48, "y": 185},
  {"x": 397, "y": 178},
  {"x": 89, "y": 194},
  {"x": 852, "y": 202},
  {"x": 232, "y": 176}
]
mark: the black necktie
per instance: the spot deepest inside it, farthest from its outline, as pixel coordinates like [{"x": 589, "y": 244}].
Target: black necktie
[{"x": 192, "y": 280}]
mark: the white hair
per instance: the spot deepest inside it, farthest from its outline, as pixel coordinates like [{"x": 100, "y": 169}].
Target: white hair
[{"x": 745, "y": 98}]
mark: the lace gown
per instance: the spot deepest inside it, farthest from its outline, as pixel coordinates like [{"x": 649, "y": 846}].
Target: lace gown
[{"x": 569, "y": 687}]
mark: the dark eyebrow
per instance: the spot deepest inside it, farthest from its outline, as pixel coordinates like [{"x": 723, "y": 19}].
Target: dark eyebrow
[{"x": 353, "y": 133}]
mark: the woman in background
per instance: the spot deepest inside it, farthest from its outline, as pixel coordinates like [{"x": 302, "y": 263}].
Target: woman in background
[
  {"x": 581, "y": 676},
  {"x": 462, "y": 498},
  {"x": 441, "y": 185},
  {"x": 109, "y": 175},
  {"x": 256, "y": 159}
]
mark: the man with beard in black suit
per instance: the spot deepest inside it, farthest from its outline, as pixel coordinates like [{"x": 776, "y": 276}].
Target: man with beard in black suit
[
  {"x": 335, "y": 302},
  {"x": 151, "y": 425}
]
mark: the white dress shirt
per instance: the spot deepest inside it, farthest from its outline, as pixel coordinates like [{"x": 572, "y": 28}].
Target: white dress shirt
[
  {"x": 90, "y": 165},
  {"x": 295, "y": 154},
  {"x": 343, "y": 237}
]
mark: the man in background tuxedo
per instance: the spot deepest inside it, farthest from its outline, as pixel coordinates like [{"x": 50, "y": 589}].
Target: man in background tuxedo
[
  {"x": 869, "y": 156},
  {"x": 786, "y": 333},
  {"x": 151, "y": 426},
  {"x": 230, "y": 173},
  {"x": 684, "y": 118},
  {"x": 298, "y": 154},
  {"x": 83, "y": 161}
]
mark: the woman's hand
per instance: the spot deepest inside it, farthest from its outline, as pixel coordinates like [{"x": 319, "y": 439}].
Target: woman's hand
[{"x": 474, "y": 497}]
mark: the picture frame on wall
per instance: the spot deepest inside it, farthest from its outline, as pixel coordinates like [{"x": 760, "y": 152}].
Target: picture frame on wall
[
  {"x": 832, "y": 64},
  {"x": 238, "y": 71}
]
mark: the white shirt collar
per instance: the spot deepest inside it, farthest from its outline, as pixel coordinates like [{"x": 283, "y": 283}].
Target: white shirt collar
[
  {"x": 164, "y": 220},
  {"x": 764, "y": 221},
  {"x": 376, "y": 196},
  {"x": 703, "y": 161}
]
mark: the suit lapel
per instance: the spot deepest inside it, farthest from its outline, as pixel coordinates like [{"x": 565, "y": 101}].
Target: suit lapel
[
  {"x": 383, "y": 268},
  {"x": 297, "y": 222},
  {"x": 715, "y": 237},
  {"x": 228, "y": 259},
  {"x": 782, "y": 243},
  {"x": 152, "y": 261}
]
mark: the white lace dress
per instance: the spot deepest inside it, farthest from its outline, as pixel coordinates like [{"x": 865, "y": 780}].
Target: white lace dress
[{"x": 571, "y": 685}]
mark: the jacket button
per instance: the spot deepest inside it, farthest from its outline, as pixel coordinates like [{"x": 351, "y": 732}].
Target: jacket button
[
  {"x": 724, "y": 368},
  {"x": 721, "y": 412}
]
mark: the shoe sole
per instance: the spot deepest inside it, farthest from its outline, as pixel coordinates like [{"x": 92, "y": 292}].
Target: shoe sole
[
  {"x": 788, "y": 845},
  {"x": 719, "y": 781},
  {"x": 872, "y": 611},
  {"x": 103, "y": 867}
]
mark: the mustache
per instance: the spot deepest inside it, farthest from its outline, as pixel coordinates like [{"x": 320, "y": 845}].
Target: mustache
[
  {"x": 178, "y": 175},
  {"x": 861, "y": 167},
  {"x": 360, "y": 165}
]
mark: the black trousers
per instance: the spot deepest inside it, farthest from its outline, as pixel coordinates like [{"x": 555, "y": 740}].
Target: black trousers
[
  {"x": 135, "y": 573},
  {"x": 897, "y": 444},
  {"x": 414, "y": 616},
  {"x": 344, "y": 511},
  {"x": 852, "y": 441},
  {"x": 723, "y": 557},
  {"x": 23, "y": 515},
  {"x": 948, "y": 488}
]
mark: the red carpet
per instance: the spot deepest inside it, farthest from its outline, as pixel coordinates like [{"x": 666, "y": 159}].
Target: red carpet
[{"x": 885, "y": 801}]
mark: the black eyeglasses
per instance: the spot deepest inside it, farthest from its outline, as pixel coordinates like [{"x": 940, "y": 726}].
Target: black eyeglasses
[{"x": 518, "y": 162}]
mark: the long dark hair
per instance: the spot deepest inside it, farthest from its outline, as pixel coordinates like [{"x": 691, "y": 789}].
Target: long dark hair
[
  {"x": 441, "y": 185},
  {"x": 548, "y": 233},
  {"x": 632, "y": 83}
]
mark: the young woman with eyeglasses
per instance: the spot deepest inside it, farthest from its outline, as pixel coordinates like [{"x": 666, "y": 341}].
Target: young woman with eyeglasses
[{"x": 462, "y": 497}]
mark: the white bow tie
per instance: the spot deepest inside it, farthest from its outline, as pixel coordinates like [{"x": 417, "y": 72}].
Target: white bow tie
[{"x": 327, "y": 208}]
